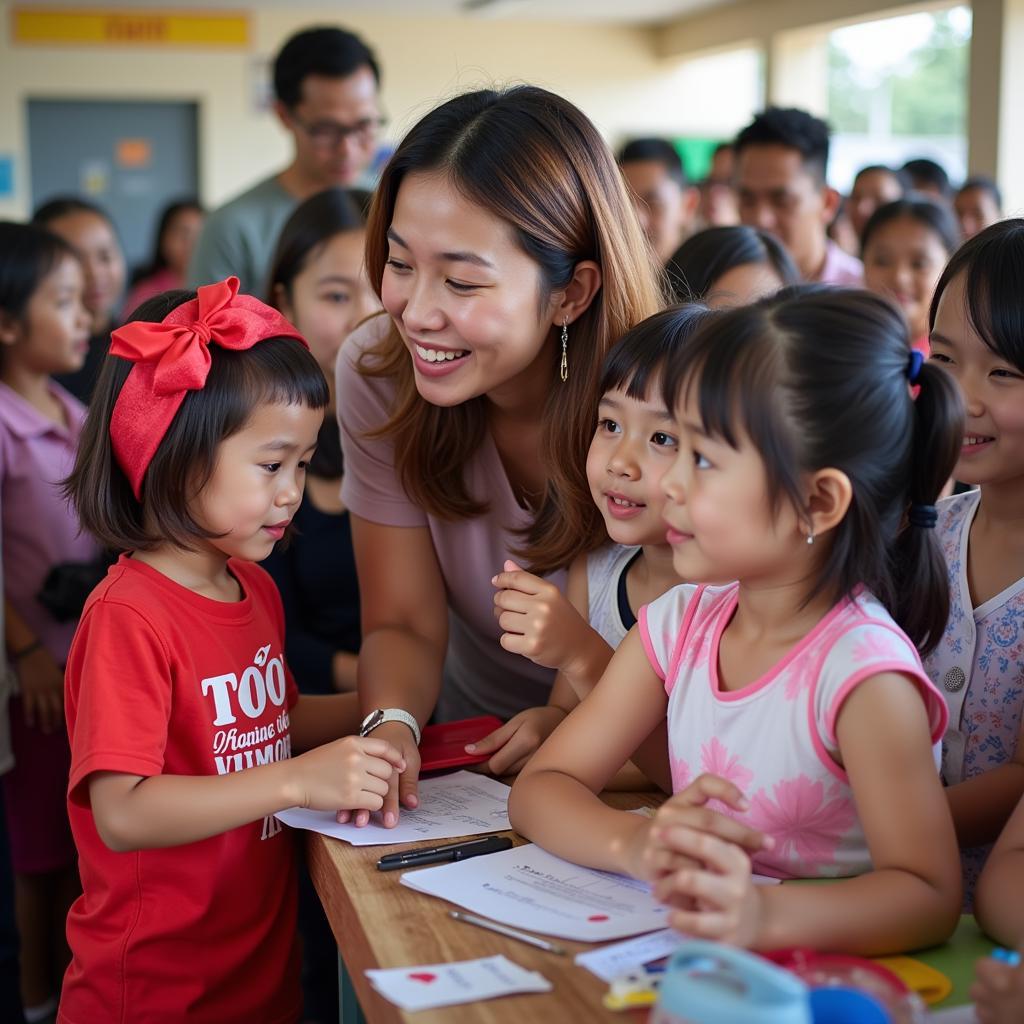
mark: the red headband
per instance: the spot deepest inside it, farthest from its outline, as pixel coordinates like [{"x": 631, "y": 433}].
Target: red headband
[{"x": 172, "y": 358}]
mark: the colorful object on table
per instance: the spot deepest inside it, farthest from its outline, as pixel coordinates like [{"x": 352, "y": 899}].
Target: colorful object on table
[
  {"x": 444, "y": 745},
  {"x": 707, "y": 983},
  {"x": 1007, "y": 956},
  {"x": 853, "y": 973},
  {"x": 634, "y": 989},
  {"x": 846, "y": 1006},
  {"x": 930, "y": 984}
]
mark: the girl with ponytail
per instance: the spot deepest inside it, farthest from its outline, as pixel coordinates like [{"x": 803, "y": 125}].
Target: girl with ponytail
[{"x": 801, "y": 726}]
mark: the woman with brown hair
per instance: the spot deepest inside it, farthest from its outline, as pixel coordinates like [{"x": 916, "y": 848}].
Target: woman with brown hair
[{"x": 508, "y": 258}]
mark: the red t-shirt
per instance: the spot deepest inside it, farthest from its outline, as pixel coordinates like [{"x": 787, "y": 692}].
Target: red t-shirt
[{"x": 163, "y": 681}]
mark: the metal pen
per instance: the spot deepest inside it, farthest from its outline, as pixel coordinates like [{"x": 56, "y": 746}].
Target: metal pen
[{"x": 511, "y": 933}]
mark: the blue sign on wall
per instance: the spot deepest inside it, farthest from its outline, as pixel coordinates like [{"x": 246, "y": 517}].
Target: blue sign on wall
[{"x": 6, "y": 177}]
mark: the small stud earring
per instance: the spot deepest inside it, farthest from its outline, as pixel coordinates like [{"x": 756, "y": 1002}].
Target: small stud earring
[
  {"x": 563, "y": 369},
  {"x": 810, "y": 537}
]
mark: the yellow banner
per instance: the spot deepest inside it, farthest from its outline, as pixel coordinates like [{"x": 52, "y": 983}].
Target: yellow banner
[{"x": 37, "y": 26}]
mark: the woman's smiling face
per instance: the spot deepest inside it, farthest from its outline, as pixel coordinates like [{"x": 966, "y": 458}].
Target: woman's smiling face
[{"x": 468, "y": 302}]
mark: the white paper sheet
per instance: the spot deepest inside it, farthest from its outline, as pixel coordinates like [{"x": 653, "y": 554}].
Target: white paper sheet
[
  {"x": 451, "y": 806},
  {"x": 529, "y": 888},
  {"x": 420, "y": 988},
  {"x": 608, "y": 962}
]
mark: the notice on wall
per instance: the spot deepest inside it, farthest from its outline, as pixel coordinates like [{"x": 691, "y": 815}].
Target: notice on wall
[{"x": 55, "y": 26}]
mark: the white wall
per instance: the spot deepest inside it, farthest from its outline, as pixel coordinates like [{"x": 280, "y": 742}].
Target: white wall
[{"x": 612, "y": 72}]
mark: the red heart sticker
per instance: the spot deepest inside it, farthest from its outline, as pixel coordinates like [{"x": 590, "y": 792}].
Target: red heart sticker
[
  {"x": 425, "y": 976},
  {"x": 598, "y": 917}
]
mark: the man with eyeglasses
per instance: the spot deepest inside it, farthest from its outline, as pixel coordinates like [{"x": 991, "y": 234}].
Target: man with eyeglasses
[{"x": 326, "y": 83}]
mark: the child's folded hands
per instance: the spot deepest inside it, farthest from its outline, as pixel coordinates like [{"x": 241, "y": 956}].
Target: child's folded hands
[{"x": 698, "y": 860}]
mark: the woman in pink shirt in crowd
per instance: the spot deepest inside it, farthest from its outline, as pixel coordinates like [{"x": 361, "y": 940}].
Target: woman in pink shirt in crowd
[
  {"x": 508, "y": 258},
  {"x": 176, "y": 235},
  {"x": 44, "y": 330}
]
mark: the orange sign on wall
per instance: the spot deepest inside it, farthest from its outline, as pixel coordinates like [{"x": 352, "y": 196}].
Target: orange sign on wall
[{"x": 49, "y": 26}]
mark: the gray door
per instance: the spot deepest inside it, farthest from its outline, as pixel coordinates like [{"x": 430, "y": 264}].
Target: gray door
[{"x": 130, "y": 158}]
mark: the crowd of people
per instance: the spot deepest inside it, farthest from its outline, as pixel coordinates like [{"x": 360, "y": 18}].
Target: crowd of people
[{"x": 713, "y": 485}]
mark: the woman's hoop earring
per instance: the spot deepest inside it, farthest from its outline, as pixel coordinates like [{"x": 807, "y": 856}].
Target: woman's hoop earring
[{"x": 563, "y": 369}]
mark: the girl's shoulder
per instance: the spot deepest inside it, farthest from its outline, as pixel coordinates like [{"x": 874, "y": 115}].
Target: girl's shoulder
[
  {"x": 955, "y": 511},
  {"x": 607, "y": 561}
]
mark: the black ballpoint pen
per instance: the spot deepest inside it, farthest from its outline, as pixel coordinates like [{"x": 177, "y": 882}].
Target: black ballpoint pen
[{"x": 442, "y": 854}]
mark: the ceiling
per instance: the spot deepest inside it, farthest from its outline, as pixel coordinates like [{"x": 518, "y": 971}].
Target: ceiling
[{"x": 621, "y": 11}]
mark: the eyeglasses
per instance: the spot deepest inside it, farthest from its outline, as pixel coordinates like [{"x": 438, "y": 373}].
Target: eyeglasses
[{"x": 330, "y": 135}]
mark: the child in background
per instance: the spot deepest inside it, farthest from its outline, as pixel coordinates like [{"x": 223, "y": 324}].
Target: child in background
[
  {"x": 793, "y": 690},
  {"x": 730, "y": 266},
  {"x": 91, "y": 233},
  {"x": 180, "y": 709},
  {"x": 904, "y": 246},
  {"x": 576, "y": 634},
  {"x": 176, "y": 236},
  {"x": 977, "y": 337},
  {"x": 43, "y": 332},
  {"x": 998, "y": 992},
  {"x": 978, "y": 205},
  {"x": 317, "y": 280}
]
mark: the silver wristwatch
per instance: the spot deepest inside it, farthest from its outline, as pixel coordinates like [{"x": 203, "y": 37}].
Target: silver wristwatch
[{"x": 381, "y": 715}]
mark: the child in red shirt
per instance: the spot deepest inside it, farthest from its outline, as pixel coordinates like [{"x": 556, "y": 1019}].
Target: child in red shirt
[{"x": 181, "y": 711}]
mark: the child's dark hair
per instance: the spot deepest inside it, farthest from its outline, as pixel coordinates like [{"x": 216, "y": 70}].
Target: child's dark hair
[
  {"x": 704, "y": 257},
  {"x": 641, "y": 356},
  {"x": 818, "y": 378},
  {"x": 983, "y": 183},
  {"x": 934, "y": 216},
  {"x": 993, "y": 262},
  {"x": 64, "y": 206},
  {"x": 312, "y": 223},
  {"x": 27, "y": 254},
  {"x": 924, "y": 173},
  {"x": 897, "y": 174},
  {"x": 275, "y": 370}
]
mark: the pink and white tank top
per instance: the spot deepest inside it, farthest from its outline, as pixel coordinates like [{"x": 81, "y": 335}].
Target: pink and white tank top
[{"x": 775, "y": 738}]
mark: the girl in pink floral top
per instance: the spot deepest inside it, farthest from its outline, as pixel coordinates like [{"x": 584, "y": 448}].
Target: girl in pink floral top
[{"x": 801, "y": 725}]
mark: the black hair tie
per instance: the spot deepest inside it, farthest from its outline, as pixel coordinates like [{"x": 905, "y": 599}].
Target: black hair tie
[
  {"x": 924, "y": 517},
  {"x": 914, "y": 366}
]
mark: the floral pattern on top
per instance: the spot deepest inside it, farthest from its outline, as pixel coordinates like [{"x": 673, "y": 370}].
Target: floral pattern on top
[
  {"x": 774, "y": 738},
  {"x": 978, "y": 667}
]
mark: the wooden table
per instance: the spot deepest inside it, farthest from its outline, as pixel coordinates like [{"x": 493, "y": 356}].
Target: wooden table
[{"x": 379, "y": 923}]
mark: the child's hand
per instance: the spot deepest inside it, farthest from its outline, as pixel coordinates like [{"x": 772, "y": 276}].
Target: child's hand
[
  {"x": 686, "y": 812},
  {"x": 538, "y": 620},
  {"x": 517, "y": 739},
  {"x": 42, "y": 690},
  {"x": 696, "y": 857},
  {"x": 349, "y": 774},
  {"x": 998, "y": 992}
]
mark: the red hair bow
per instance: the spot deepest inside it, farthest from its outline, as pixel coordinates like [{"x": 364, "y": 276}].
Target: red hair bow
[{"x": 172, "y": 358}]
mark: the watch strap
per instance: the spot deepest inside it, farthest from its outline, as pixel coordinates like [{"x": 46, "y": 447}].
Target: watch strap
[{"x": 382, "y": 715}]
